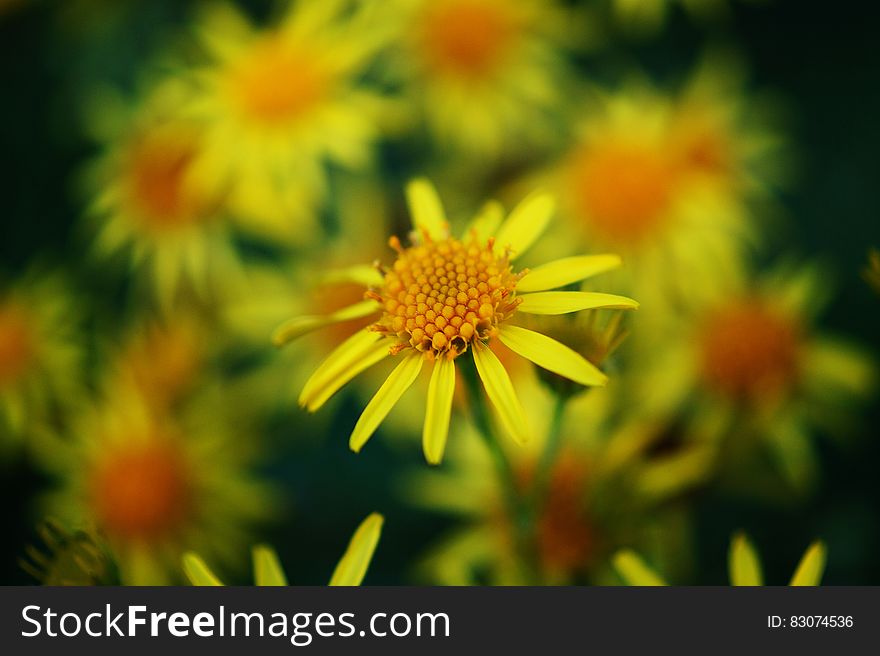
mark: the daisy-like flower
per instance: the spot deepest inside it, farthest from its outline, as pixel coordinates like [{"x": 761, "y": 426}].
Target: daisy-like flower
[
  {"x": 446, "y": 297},
  {"x": 277, "y": 103},
  {"x": 667, "y": 181},
  {"x": 350, "y": 570},
  {"x": 743, "y": 563},
  {"x": 484, "y": 73},
  {"x": 154, "y": 487},
  {"x": 605, "y": 489},
  {"x": 755, "y": 368},
  {"x": 150, "y": 207},
  {"x": 40, "y": 353}
]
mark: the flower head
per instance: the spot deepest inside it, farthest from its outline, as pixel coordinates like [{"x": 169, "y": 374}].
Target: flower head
[
  {"x": 277, "y": 102},
  {"x": 483, "y": 73},
  {"x": 152, "y": 207},
  {"x": 154, "y": 486},
  {"x": 40, "y": 353},
  {"x": 445, "y": 296},
  {"x": 750, "y": 357}
]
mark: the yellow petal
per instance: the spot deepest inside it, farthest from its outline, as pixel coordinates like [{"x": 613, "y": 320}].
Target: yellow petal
[
  {"x": 299, "y": 326},
  {"x": 551, "y": 355},
  {"x": 633, "y": 570},
  {"x": 267, "y": 568},
  {"x": 565, "y": 302},
  {"x": 486, "y": 223},
  {"x": 745, "y": 567},
  {"x": 363, "y": 274},
  {"x": 812, "y": 566},
  {"x": 440, "y": 391},
  {"x": 360, "y": 351},
  {"x": 354, "y": 563},
  {"x": 500, "y": 391},
  {"x": 426, "y": 209},
  {"x": 197, "y": 571},
  {"x": 566, "y": 271},
  {"x": 526, "y": 223},
  {"x": 399, "y": 380}
]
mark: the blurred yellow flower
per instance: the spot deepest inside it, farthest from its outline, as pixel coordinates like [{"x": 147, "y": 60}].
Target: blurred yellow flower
[
  {"x": 484, "y": 75},
  {"x": 166, "y": 361},
  {"x": 350, "y": 570},
  {"x": 154, "y": 487},
  {"x": 744, "y": 566},
  {"x": 606, "y": 488},
  {"x": 669, "y": 181},
  {"x": 150, "y": 206},
  {"x": 278, "y": 103},
  {"x": 756, "y": 368},
  {"x": 445, "y": 296},
  {"x": 40, "y": 353}
]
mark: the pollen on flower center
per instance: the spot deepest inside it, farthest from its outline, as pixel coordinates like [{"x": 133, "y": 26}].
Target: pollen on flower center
[
  {"x": 141, "y": 492},
  {"x": 623, "y": 189},
  {"x": 467, "y": 38},
  {"x": 441, "y": 296},
  {"x": 16, "y": 347},
  {"x": 158, "y": 166},
  {"x": 277, "y": 82},
  {"x": 749, "y": 349}
]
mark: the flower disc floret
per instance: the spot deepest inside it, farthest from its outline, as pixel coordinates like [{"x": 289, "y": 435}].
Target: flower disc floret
[{"x": 441, "y": 296}]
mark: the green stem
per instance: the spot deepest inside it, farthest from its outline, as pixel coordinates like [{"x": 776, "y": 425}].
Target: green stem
[
  {"x": 518, "y": 508},
  {"x": 544, "y": 470}
]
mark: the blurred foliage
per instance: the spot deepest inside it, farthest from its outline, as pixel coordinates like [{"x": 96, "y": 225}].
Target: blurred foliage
[{"x": 168, "y": 206}]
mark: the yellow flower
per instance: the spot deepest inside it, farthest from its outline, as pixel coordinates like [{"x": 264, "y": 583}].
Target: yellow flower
[
  {"x": 445, "y": 297},
  {"x": 607, "y": 488},
  {"x": 350, "y": 570},
  {"x": 484, "y": 74},
  {"x": 276, "y": 103},
  {"x": 40, "y": 353},
  {"x": 150, "y": 206},
  {"x": 153, "y": 486},
  {"x": 669, "y": 181},
  {"x": 756, "y": 368},
  {"x": 744, "y": 566}
]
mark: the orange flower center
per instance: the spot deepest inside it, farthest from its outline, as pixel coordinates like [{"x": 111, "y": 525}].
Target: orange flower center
[
  {"x": 141, "y": 492},
  {"x": 749, "y": 349},
  {"x": 467, "y": 38},
  {"x": 440, "y": 296},
  {"x": 564, "y": 531},
  {"x": 158, "y": 167},
  {"x": 16, "y": 347},
  {"x": 623, "y": 189},
  {"x": 277, "y": 82}
]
